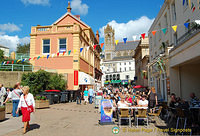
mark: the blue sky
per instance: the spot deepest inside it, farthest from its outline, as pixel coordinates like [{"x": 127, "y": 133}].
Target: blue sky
[{"x": 19, "y": 15}]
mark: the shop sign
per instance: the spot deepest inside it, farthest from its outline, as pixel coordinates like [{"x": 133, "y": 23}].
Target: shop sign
[
  {"x": 106, "y": 111},
  {"x": 75, "y": 77}
]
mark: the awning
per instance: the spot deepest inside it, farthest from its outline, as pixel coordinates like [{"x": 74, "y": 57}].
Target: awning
[
  {"x": 85, "y": 79},
  {"x": 116, "y": 81}
]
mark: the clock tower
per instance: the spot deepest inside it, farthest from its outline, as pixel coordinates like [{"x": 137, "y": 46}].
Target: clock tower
[{"x": 109, "y": 40}]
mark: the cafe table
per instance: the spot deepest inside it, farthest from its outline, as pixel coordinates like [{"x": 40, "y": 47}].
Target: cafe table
[{"x": 133, "y": 107}]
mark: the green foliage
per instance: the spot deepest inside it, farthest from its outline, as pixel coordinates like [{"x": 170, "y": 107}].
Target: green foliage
[
  {"x": 23, "y": 48},
  {"x": 1, "y": 55},
  {"x": 41, "y": 80},
  {"x": 40, "y": 97}
]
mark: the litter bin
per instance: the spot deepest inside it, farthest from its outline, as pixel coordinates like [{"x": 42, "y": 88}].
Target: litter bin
[
  {"x": 53, "y": 96},
  {"x": 71, "y": 95},
  {"x": 74, "y": 96},
  {"x": 64, "y": 96}
]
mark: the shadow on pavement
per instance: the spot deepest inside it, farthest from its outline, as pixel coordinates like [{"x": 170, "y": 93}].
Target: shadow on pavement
[
  {"x": 34, "y": 126},
  {"x": 4, "y": 120}
]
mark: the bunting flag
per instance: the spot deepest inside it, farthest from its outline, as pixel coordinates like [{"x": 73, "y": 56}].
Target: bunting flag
[
  {"x": 12, "y": 61},
  {"x": 58, "y": 54},
  {"x": 42, "y": 56},
  {"x": 7, "y": 62},
  {"x": 52, "y": 55},
  {"x": 69, "y": 52},
  {"x": 4, "y": 63},
  {"x": 134, "y": 37},
  {"x": 143, "y": 35},
  {"x": 95, "y": 46},
  {"x": 102, "y": 45},
  {"x": 23, "y": 60},
  {"x": 38, "y": 57},
  {"x": 64, "y": 53},
  {"x": 75, "y": 51},
  {"x": 125, "y": 39},
  {"x": 154, "y": 32},
  {"x": 88, "y": 48},
  {"x": 193, "y": 9},
  {"x": 197, "y": 21},
  {"x": 48, "y": 56},
  {"x": 29, "y": 59},
  {"x": 81, "y": 49},
  {"x": 189, "y": 3},
  {"x": 174, "y": 28},
  {"x": 15, "y": 61},
  {"x": 192, "y": 5},
  {"x": 18, "y": 61},
  {"x": 164, "y": 30},
  {"x": 186, "y": 25},
  {"x": 183, "y": 2},
  {"x": 34, "y": 58},
  {"x": 116, "y": 42}
]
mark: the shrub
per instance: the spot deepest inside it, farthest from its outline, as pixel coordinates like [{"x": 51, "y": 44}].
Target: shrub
[{"x": 41, "y": 80}]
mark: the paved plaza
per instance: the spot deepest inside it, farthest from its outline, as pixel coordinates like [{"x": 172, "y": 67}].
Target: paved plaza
[{"x": 72, "y": 120}]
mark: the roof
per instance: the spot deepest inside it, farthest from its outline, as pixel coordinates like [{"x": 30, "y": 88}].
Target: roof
[
  {"x": 1, "y": 46},
  {"x": 122, "y": 58},
  {"x": 68, "y": 13},
  {"x": 130, "y": 45}
]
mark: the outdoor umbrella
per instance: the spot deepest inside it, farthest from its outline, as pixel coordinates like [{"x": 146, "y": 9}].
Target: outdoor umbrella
[{"x": 138, "y": 86}]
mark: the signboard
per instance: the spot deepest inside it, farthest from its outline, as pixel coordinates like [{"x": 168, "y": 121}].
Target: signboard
[
  {"x": 106, "y": 111},
  {"x": 76, "y": 77},
  {"x": 86, "y": 79}
]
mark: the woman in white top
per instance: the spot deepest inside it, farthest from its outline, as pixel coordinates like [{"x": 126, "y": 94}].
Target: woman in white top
[
  {"x": 122, "y": 103},
  {"x": 15, "y": 96},
  {"x": 25, "y": 102}
]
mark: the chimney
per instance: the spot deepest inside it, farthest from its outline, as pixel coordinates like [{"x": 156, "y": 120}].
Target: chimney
[
  {"x": 69, "y": 7},
  {"x": 97, "y": 36}
]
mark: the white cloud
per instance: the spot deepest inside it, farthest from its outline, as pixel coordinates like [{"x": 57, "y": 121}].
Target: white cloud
[
  {"x": 79, "y": 7},
  {"x": 9, "y": 27},
  {"x": 133, "y": 27},
  {"x": 36, "y": 2},
  {"x": 12, "y": 41}
]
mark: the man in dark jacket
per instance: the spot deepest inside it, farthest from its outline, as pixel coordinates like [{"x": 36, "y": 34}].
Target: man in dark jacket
[{"x": 79, "y": 96}]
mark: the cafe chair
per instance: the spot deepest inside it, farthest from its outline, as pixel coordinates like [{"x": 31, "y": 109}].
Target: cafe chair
[
  {"x": 157, "y": 114},
  {"x": 142, "y": 114},
  {"x": 124, "y": 115}
]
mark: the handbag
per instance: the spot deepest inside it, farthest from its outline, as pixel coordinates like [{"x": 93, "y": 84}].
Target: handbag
[{"x": 29, "y": 108}]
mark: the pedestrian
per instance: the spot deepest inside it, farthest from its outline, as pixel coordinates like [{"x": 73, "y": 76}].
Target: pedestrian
[
  {"x": 15, "y": 96},
  {"x": 91, "y": 94},
  {"x": 79, "y": 96},
  {"x": 2, "y": 94},
  {"x": 153, "y": 100},
  {"x": 27, "y": 105},
  {"x": 85, "y": 96}
]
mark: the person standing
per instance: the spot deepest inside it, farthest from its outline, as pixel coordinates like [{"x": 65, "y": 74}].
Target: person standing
[
  {"x": 26, "y": 103},
  {"x": 91, "y": 93},
  {"x": 153, "y": 100},
  {"x": 2, "y": 94},
  {"x": 85, "y": 96},
  {"x": 79, "y": 96},
  {"x": 15, "y": 96}
]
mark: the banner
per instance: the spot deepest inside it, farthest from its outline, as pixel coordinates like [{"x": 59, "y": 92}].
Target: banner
[
  {"x": 106, "y": 111},
  {"x": 76, "y": 77}
]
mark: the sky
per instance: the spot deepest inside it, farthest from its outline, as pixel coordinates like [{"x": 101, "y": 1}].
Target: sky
[{"x": 127, "y": 17}]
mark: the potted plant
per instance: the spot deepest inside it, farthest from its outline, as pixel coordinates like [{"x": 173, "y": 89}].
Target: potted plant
[
  {"x": 9, "y": 107},
  {"x": 41, "y": 102},
  {"x": 2, "y": 113}
]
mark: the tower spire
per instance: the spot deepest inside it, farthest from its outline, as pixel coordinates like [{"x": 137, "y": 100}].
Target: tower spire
[{"x": 69, "y": 7}]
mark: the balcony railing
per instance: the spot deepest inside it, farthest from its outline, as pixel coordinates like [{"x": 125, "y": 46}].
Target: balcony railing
[{"x": 192, "y": 32}]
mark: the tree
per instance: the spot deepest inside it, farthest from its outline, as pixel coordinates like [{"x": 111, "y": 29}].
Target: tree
[
  {"x": 23, "y": 48},
  {"x": 1, "y": 55}
]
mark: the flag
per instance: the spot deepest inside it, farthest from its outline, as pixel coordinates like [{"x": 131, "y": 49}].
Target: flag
[
  {"x": 58, "y": 54},
  {"x": 38, "y": 57},
  {"x": 134, "y": 37},
  {"x": 102, "y": 45},
  {"x": 15, "y": 61},
  {"x": 81, "y": 49},
  {"x": 88, "y": 48},
  {"x": 174, "y": 28},
  {"x": 48, "y": 56},
  {"x": 95, "y": 46},
  {"x": 18, "y": 61},
  {"x": 116, "y": 42},
  {"x": 7, "y": 62},
  {"x": 143, "y": 35},
  {"x": 64, "y": 53},
  {"x": 52, "y": 55},
  {"x": 23, "y": 60},
  {"x": 183, "y": 2},
  {"x": 164, "y": 30},
  {"x": 4, "y": 63},
  {"x": 192, "y": 5},
  {"x": 193, "y": 9},
  {"x": 69, "y": 52},
  {"x": 125, "y": 39},
  {"x": 34, "y": 58},
  {"x": 75, "y": 51},
  {"x": 186, "y": 25},
  {"x": 189, "y": 3},
  {"x": 197, "y": 22},
  {"x": 12, "y": 61},
  {"x": 29, "y": 59},
  {"x": 153, "y": 32}
]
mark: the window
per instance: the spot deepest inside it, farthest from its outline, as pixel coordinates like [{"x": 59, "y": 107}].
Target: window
[
  {"x": 111, "y": 77},
  {"x": 120, "y": 69},
  {"x": 118, "y": 76},
  {"x": 174, "y": 11},
  {"x": 62, "y": 45},
  {"x": 165, "y": 18},
  {"x": 160, "y": 33},
  {"x": 125, "y": 69},
  {"x": 114, "y": 77},
  {"x": 129, "y": 68},
  {"x": 46, "y": 46},
  {"x": 106, "y": 77},
  {"x": 120, "y": 64},
  {"x": 127, "y": 77},
  {"x": 129, "y": 63},
  {"x": 124, "y": 63}
]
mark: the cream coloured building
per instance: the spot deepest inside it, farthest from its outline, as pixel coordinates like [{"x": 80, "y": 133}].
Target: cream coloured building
[
  {"x": 5, "y": 49},
  {"x": 174, "y": 55}
]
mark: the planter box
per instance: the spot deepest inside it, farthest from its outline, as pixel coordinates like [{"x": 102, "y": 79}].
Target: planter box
[
  {"x": 9, "y": 107},
  {"x": 39, "y": 104},
  {"x": 2, "y": 113}
]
